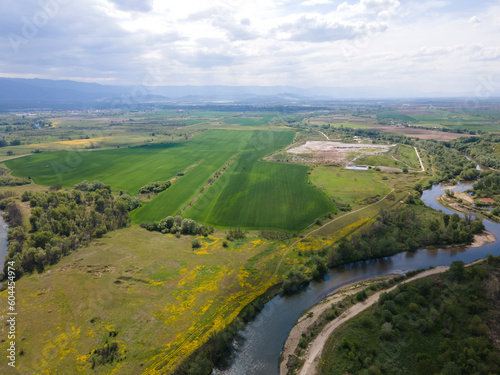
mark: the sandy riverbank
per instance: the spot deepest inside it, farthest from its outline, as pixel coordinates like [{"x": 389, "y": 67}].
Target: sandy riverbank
[{"x": 483, "y": 239}]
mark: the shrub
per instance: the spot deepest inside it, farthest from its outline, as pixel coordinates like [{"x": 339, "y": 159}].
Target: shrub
[{"x": 196, "y": 243}]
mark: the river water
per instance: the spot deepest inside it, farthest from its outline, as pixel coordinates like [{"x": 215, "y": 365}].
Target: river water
[{"x": 258, "y": 349}]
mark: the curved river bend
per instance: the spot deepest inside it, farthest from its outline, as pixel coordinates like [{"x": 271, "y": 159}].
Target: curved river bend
[{"x": 259, "y": 348}]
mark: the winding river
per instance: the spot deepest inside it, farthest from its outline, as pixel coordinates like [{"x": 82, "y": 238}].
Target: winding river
[{"x": 259, "y": 346}]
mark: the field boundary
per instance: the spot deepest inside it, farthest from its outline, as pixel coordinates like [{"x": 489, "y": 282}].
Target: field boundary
[{"x": 209, "y": 183}]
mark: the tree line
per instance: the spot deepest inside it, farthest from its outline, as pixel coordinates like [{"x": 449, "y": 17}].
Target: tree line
[
  {"x": 404, "y": 229},
  {"x": 62, "y": 221}
]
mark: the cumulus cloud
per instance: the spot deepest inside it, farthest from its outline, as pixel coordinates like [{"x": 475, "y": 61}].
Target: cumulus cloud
[
  {"x": 317, "y": 29},
  {"x": 134, "y": 5},
  {"x": 259, "y": 42},
  {"x": 224, "y": 19},
  {"x": 315, "y": 2}
]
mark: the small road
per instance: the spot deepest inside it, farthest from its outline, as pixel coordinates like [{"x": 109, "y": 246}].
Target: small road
[
  {"x": 419, "y": 159},
  {"x": 324, "y": 135}
]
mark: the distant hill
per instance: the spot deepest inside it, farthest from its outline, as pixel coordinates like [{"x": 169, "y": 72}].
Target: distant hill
[{"x": 23, "y": 93}]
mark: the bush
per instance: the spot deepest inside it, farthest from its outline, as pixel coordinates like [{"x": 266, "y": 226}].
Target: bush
[{"x": 196, "y": 243}]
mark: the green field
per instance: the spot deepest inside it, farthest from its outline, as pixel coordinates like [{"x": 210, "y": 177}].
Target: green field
[
  {"x": 263, "y": 195},
  {"x": 350, "y": 186},
  {"x": 408, "y": 156},
  {"x": 250, "y": 194},
  {"x": 380, "y": 160},
  {"x": 394, "y": 115},
  {"x": 250, "y": 120},
  {"x": 161, "y": 298},
  {"x": 128, "y": 168}
]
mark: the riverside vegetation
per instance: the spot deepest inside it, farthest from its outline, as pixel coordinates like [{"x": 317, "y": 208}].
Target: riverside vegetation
[{"x": 446, "y": 324}]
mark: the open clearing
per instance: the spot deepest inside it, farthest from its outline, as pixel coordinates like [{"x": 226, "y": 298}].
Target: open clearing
[
  {"x": 350, "y": 186},
  {"x": 337, "y": 152}
]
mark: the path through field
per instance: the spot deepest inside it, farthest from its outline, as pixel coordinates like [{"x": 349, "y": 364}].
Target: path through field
[{"x": 419, "y": 159}]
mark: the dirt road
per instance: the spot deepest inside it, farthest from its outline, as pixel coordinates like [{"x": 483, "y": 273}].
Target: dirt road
[{"x": 419, "y": 159}]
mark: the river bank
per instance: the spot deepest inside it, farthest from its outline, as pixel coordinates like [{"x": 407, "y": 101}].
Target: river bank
[
  {"x": 313, "y": 315},
  {"x": 314, "y": 350}
]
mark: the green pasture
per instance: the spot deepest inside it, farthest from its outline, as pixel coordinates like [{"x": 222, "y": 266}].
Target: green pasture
[{"x": 350, "y": 186}]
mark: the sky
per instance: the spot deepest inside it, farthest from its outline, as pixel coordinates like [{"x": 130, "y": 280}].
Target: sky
[{"x": 422, "y": 46}]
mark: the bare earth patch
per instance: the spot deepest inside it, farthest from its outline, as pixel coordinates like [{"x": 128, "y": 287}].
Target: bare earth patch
[
  {"x": 483, "y": 239},
  {"x": 336, "y": 152}
]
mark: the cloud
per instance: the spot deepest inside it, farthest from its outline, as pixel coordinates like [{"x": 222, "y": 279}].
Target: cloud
[
  {"x": 134, "y": 5},
  {"x": 315, "y": 2},
  {"x": 318, "y": 29},
  {"x": 224, "y": 19},
  {"x": 420, "y": 43},
  {"x": 474, "y": 20}
]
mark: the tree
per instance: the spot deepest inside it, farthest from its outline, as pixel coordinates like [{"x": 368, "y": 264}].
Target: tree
[{"x": 457, "y": 270}]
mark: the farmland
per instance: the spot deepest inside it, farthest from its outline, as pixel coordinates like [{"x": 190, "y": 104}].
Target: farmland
[{"x": 287, "y": 202}]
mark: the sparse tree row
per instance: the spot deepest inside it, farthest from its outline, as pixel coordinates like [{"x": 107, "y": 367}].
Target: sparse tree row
[
  {"x": 62, "y": 221},
  {"x": 178, "y": 225}
]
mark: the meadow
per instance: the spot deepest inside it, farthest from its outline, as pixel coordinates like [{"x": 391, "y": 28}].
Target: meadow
[
  {"x": 350, "y": 186},
  {"x": 150, "y": 293}
]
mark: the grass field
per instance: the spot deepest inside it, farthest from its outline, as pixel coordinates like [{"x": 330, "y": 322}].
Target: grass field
[
  {"x": 349, "y": 186},
  {"x": 161, "y": 297},
  {"x": 408, "y": 156},
  {"x": 380, "y": 160},
  {"x": 128, "y": 168},
  {"x": 250, "y": 120},
  {"x": 254, "y": 194}
]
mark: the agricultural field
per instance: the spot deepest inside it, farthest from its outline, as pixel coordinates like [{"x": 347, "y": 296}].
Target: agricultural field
[
  {"x": 259, "y": 195},
  {"x": 441, "y": 118},
  {"x": 394, "y": 115},
  {"x": 250, "y": 120},
  {"x": 264, "y": 195}
]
